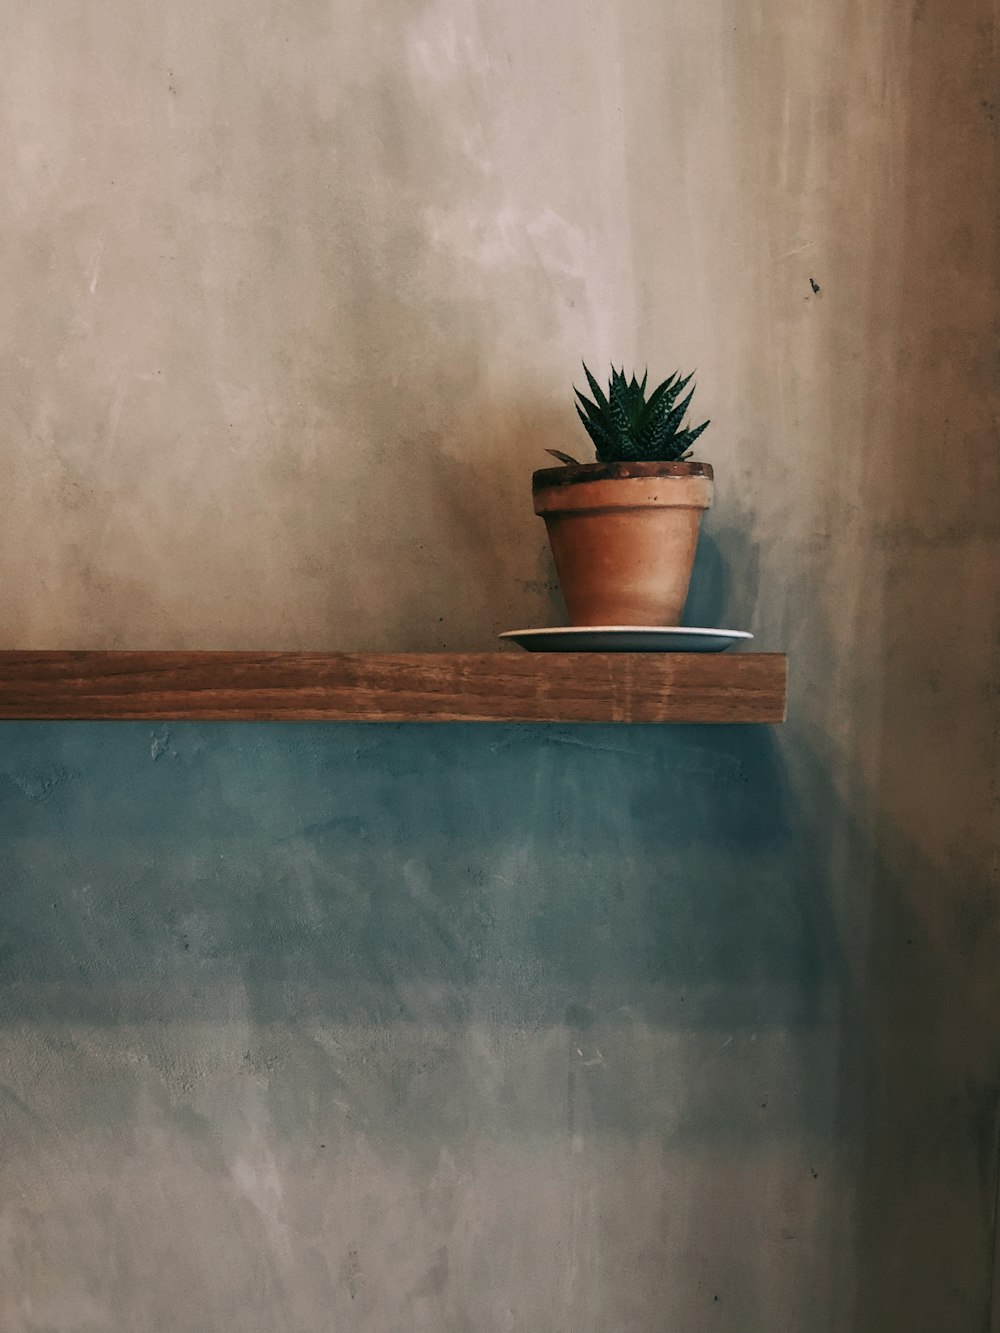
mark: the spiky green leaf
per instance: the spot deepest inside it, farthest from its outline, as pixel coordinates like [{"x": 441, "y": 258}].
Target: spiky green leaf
[
  {"x": 672, "y": 422},
  {"x": 595, "y": 389},
  {"x": 604, "y": 441},
  {"x": 690, "y": 436},
  {"x": 618, "y": 399},
  {"x": 593, "y": 411},
  {"x": 636, "y": 402},
  {"x": 659, "y": 400}
]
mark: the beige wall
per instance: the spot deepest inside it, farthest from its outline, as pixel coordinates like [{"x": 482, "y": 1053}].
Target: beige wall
[
  {"x": 294, "y": 294},
  {"x": 294, "y": 301}
]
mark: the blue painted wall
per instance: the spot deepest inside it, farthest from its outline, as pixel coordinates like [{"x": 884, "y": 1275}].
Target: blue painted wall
[
  {"x": 411, "y": 1027},
  {"x": 522, "y": 872}
]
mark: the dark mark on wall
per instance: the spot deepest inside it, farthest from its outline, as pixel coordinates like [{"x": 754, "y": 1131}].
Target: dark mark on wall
[
  {"x": 352, "y": 1272},
  {"x": 260, "y": 1062},
  {"x": 590, "y": 745},
  {"x": 815, "y": 286}
]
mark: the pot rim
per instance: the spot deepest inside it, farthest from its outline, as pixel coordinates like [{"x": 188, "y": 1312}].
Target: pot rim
[{"x": 574, "y": 474}]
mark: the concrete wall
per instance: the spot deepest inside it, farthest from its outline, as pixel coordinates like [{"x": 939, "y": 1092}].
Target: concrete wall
[{"x": 416, "y": 1029}]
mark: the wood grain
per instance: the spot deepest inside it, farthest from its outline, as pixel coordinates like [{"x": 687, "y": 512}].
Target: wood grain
[{"x": 393, "y": 687}]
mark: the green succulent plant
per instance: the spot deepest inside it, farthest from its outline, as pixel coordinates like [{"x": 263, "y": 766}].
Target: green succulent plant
[{"x": 628, "y": 427}]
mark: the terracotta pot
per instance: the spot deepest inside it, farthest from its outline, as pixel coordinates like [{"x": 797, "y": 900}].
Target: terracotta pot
[{"x": 623, "y": 537}]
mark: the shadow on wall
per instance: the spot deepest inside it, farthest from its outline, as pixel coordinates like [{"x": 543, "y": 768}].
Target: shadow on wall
[
  {"x": 926, "y": 1214},
  {"x": 725, "y": 579}
]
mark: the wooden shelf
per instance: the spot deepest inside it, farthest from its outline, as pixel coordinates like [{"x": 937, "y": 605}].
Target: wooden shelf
[{"x": 393, "y": 687}]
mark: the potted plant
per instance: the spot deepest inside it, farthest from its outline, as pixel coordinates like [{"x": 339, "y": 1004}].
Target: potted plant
[{"x": 623, "y": 530}]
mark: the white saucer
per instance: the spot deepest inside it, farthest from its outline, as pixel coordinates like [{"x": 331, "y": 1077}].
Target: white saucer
[{"x": 626, "y": 639}]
